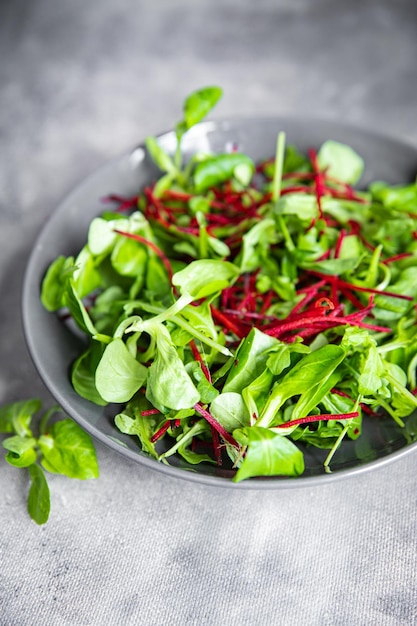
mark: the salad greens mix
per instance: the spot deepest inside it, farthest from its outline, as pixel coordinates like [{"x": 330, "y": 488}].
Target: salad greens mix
[{"x": 240, "y": 311}]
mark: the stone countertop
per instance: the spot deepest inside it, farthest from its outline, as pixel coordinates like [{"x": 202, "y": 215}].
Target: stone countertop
[{"x": 81, "y": 83}]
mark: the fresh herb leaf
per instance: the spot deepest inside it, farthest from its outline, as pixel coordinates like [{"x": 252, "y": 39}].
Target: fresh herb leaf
[
  {"x": 65, "y": 449},
  {"x": 68, "y": 450},
  {"x": 199, "y": 104},
  {"x": 39, "y": 503}
]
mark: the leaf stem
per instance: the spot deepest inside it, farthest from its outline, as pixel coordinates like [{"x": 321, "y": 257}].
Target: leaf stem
[{"x": 279, "y": 163}]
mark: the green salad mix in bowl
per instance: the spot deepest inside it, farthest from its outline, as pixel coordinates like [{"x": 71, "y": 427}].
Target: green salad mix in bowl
[{"x": 238, "y": 312}]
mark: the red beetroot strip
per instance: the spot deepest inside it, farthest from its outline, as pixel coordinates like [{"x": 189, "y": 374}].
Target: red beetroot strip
[
  {"x": 199, "y": 359},
  {"x": 321, "y": 323},
  {"x": 317, "y": 418},
  {"x": 161, "y": 431},
  {"x": 343, "y": 283},
  {"x": 318, "y": 180},
  {"x": 214, "y": 432},
  {"x": 216, "y": 425}
]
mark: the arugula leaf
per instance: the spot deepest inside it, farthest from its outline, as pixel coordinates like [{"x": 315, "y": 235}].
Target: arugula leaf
[
  {"x": 304, "y": 379},
  {"x": 250, "y": 360}
]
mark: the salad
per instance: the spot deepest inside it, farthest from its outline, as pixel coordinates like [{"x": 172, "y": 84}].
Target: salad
[{"x": 236, "y": 312}]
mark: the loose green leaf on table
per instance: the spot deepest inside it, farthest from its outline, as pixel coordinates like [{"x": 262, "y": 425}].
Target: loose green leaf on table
[{"x": 60, "y": 447}]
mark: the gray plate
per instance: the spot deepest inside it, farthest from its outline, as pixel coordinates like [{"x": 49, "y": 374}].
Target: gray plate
[{"x": 53, "y": 347}]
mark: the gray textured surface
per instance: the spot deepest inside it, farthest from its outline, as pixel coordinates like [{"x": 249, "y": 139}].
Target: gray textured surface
[{"x": 80, "y": 83}]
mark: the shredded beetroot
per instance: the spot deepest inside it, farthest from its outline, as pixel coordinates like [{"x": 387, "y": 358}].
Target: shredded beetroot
[
  {"x": 397, "y": 257},
  {"x": 318, "y": 180},
  {"x": 160, "y": 432},
  {"x": 216, "y": 425},
  {"x": 125, "y": 204},
  {"x": 149, "y": 412},
  {"x": 343, "y": 283},
  {"x": 316, "y": 418},
  {"x": 228, "y": 324},
  {"x": 216, "y": 445},
  {"x": 199, "y": 358}
]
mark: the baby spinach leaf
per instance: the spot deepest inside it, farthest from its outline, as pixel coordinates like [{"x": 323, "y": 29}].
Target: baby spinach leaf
[
  {"x": 129, "y": 257},
  {"x": 78, "y": 310},
  {"x": 333, "y": 267},
  {"x": 304, "y": 206},
  {"x": 386, "y": 307},
  {"x": 86, "y": 278},
  {"x": 194, "y": 431},
  {"x": 230, "y": 411},
  {"x": 341, "y": 160},
  {"x": 256, "y": 394},
  {"x": 101, "y": 235},
  {"x": 205, "y": 277},
  {"x": 215, "y": 170},
  {"x": 169, "y": 386},
  {"x": 309, "y": 400},
  {"x": 84, "y": 371},
  {"x": 206, "y": 389},
  {"x": 54, "y": 284},
  {"x": 402, "y": 198},
  {"x": 268, "y": 454},
  {"x": 119, "y": 375}
]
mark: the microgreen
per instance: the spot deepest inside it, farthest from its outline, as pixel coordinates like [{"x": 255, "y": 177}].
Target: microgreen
[
  {"x": 40, "y": 445},
  {"x": 240, "y": 312}
]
